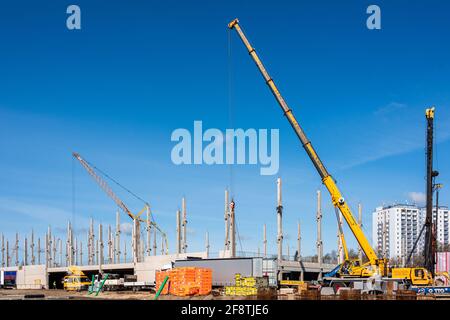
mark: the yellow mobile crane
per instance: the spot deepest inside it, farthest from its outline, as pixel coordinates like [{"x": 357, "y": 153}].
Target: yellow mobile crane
[
  {"x": 374, "y": 265},
  {"x": 107, "y": 189},
  {"x": 350, "y": 268}
]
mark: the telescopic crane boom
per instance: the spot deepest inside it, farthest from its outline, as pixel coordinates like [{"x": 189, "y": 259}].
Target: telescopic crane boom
[
  {"x": 328, "y": 181},
  {"x": 107, "y": 189}
]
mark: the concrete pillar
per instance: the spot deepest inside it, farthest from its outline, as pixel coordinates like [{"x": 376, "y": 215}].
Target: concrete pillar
[
  {"x": 184, "y": 224},
  {"x": 16, "y": 249},
  {"x": 33, "y": 258},
  {"x": 91, "y": 243},
  {"x": 178, "y": 229},
  {"x": 265, "y": 240},
  {"x": 125, "y": 250},
  {"x": 3, "y": 251},
  {"x": 80, "y": 249},
  {"x": 288, "y": 253},
  {"x": 279, "y": 221},
  {"x": 136, "y": 241},
  {"x": 110, "y": 247},
  {"x": 97, "y": 251},
  {"x": 207, "y": 244},
  {"x": 141, "y": 252},
  {"x": 149, "y": 233},
  {"x": 39, "y": 250},
  {"x": 360, "y": 257},
  {"x": 25, "y": 252},
  {"x": 118, "y": 253},
  {"x": 46, "y": 251},
  {"x": 75, "y": 249},
  {"x": 69, "y": 248},
  {"x": 232, "y": 230},
  {"x": 154, "y": 241},
  {"x": 7, "y": 254},
  {"x": 60, "y": 253},
  {"x": 319, "y": 234},
  {"x": 101, "y": 247},
  {"x": 162, "y": 245},
  {"x": 227, "y": 222},
  {"x": 54, "y": 251}
]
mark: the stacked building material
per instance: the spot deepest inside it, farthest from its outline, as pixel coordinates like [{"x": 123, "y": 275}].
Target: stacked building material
[
  {"x": 244, "y": 286},
  {"x": 159, "y": 276},
  {"x": 186, "y": 281}
]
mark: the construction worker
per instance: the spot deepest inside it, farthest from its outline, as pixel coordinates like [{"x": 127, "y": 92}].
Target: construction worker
[{"x": 54, "y": 284}]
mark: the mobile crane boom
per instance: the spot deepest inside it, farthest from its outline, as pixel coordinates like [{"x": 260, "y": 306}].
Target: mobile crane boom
[{"x": 328, "y": 181}]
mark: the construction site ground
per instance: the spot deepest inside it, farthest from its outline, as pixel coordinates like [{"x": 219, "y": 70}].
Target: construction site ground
[{"x": 59, "y": 294}]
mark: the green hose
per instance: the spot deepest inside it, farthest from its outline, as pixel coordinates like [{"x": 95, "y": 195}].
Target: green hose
[
  {"x": 101, "y": 284},
  {"x": 91, "y": 288},
  {"x": 161, "y": 287}
]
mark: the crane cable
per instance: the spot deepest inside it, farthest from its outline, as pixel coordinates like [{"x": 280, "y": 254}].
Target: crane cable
[{"x": 230, "y": 119}]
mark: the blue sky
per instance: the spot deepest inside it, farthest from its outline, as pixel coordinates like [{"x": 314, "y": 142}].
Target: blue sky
[{"x": 137, "y": 70}]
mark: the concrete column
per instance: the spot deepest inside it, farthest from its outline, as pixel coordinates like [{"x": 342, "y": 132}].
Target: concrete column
[
  {"x": 101, "y": 247},
  {"x": 110, "y": 247},
  {"x": 69, "y": 249},
  {"x": 46, "y": 251},
  {"x": 184, "y": 224},
  {"x": 118, "y": 253},
  {"x": 232, "y": 230},
  {"x": 97, "y": 251},
  {"x": 60, "y": 253},
  {"x": 136, "y": 241},
  {"x": 75, "y": 249},
  {"x": 39, "y": 251},
  {"x": 25, "y": 252},
  {"x": 319, "y": 234},
  {"x": 288, "y": 253},
  {"x": 265, "y": 240},
  {"x": 162, "y": 245},
  {"x": 207, "y": 244},
  {"x": 125, "y": 250},
  {"x": 3, "y": 250},
  {"x": 7, "y": 254},
  {"x": 178, "y": 232},
  {"x": 149, "y": 233},
  {"x": 141, "y": 252},
  {"x": 279, "y": 221},
  {"x": 91, "y": 244},
  {"x": 16, "y": 249},
  {"x": 33, "y": 259},
  {"x": 154, "y": 241},
  {"x": 80, "y": 249},
  {"x": 227, "y": 222},
  {"x": 54, "y": 251},
  {"x": 360, "y": 257}
]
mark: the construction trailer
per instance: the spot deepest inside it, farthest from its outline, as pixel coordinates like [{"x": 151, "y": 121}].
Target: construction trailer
[{"x": 224, "y": 270}]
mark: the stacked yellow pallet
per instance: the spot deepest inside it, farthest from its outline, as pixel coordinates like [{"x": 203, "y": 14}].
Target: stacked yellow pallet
[{"x": 244, "y": 286}]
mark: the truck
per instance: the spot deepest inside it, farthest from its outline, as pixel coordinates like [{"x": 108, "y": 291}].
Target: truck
[
  {"x": 8, "y": 279},
  {"x": 75, "y": 280}
]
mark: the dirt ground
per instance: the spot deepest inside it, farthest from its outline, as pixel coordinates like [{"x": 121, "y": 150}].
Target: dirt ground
[{"x": 56, "y": 294}]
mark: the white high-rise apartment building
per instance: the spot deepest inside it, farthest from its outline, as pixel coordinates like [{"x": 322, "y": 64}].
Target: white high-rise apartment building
[{"x": 395, "y": 229}]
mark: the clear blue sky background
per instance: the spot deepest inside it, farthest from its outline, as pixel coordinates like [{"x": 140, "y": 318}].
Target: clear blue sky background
[{"x": 115, "y": 90}]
